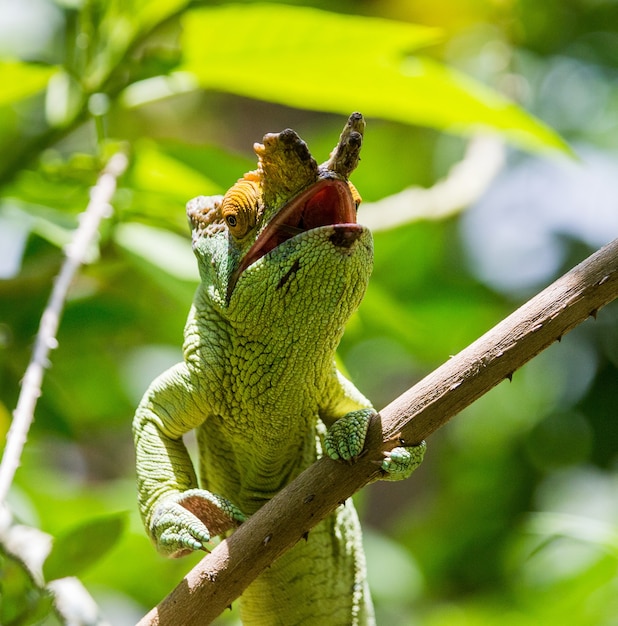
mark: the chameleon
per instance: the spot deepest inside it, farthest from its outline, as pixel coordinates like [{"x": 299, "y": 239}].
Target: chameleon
[{"x": 283, "y": 264}]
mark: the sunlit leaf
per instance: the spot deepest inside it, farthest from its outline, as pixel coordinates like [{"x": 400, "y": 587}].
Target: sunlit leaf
[
  {"x": 165, "y": 250},
  {"x": 22, "y": 600},
  {"x": 313, "y": 59},
  {"x": 220, "y": 167},
  {"x": 577, "y": 527},
  {"x": 155, "y": 170},
  {"x": 21, "y": 80},
  {"x": 63, "y": 99},
  {"x": 80, "y": 547},
  {"x": 13, "y": 237},
  {"x": 152, "y": 12},
  {"x": 157, "y": 87}
]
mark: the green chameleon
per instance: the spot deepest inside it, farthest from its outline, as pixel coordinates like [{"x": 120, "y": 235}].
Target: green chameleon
[{"x": 283, "y": 265}]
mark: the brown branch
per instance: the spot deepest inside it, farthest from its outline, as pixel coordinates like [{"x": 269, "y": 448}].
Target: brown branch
[{"x": 222, "y": 575}]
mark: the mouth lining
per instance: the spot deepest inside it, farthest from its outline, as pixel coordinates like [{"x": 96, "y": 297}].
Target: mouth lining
[{"x": 325, "y": 203}]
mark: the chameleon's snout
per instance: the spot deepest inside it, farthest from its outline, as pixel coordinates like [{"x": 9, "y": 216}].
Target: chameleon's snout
[
  {"x": 329, "y": 202},
  {"x": 345, "y": 235}
]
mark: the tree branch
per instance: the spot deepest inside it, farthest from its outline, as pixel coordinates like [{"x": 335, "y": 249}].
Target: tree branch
[
  {"x": 98, "y": 208},
  {"x": 223, "y": 574}
]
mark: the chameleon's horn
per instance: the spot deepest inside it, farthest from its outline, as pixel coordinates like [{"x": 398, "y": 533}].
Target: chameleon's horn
[
  {"x": 285, "y": 166},
  {"x": 346, "y": 155}
]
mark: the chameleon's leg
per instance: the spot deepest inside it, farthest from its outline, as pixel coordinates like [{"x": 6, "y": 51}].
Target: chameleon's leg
[
  {"x": 345, "y": 440},
  {"x": 178, "y": 516}
]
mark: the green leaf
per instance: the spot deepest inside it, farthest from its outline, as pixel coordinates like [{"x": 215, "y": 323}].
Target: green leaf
[
  {"x": 576, "y": 527},
  {"x": 21, "y": 80},
  {"x": 313, "y": 59},
  {"x": 149, "y": 13},
  {"x": 166, "y": 251},
  {"x": 81, "y": 546},
  {"x": 21, "y": 601},
  {"x": 154, "y": 170}
]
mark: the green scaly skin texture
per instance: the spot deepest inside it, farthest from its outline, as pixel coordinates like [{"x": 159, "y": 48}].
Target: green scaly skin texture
[{"x": 260, "y": 386}]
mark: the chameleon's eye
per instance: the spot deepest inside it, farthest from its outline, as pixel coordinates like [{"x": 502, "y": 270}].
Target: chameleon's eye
[
  {"x": 355, "y": 195},
  {"x": 240, "y": 207}
]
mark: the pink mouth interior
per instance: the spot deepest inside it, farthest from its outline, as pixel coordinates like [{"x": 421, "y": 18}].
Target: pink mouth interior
[{"x": 326, "y": 203}]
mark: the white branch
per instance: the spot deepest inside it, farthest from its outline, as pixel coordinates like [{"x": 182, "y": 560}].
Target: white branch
[
  {"x": 98, "y": 208},
  {"x": 465, "y": 183}
]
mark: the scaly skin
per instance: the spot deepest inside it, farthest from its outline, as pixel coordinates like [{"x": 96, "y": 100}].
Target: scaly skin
[{"x": 283, "y": 266}]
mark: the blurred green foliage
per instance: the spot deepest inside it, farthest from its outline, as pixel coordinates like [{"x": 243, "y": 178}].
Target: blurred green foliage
[{"x": 513, "y": 518}]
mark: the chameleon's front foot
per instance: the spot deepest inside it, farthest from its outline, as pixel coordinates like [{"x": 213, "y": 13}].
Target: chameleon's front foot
[
  {"x": 400, "y": 462},
  {"x": 187, "y": 521},
  {"x": 345, "y": 440}
]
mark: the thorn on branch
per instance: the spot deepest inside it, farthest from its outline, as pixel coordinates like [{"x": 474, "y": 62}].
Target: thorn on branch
[
  {"x": 393, "y": 441},
  {"x": 52, "y": 343}
]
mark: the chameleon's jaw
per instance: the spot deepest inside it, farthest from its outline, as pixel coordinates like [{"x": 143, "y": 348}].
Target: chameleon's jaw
[{"x": 328, "y": 202}]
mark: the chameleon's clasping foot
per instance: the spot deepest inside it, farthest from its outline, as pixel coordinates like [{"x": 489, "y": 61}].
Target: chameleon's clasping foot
[
  {"x": 400, "y": 462},
  {"x": 345, "y": 439}
]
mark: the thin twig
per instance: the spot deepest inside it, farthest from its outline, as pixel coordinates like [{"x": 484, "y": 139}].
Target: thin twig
[
  {"x": 465, "y": 183},
  {"x": 222, "y": 575},
  {"x": 98, "y": 208}
]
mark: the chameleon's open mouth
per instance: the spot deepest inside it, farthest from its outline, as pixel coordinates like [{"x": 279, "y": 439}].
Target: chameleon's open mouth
[{"x": 328, "y": 202}]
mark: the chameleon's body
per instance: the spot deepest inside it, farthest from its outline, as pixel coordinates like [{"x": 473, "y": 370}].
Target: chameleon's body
[{"x": 283, "y": 266}]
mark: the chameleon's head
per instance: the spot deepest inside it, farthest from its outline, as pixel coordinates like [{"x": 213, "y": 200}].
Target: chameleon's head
[{"x": 286, "y": 231}]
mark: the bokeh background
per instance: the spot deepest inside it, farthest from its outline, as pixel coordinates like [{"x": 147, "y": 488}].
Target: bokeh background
[{"x": 513, "y": 517}]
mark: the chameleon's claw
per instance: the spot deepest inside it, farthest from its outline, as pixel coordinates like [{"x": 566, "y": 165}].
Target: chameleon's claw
[
  {"x": 400, "y": 462},
  {"x": 177, "y": 531},
  {"x": 345, "y": 439},
  {"x": 177, "y": 525}
]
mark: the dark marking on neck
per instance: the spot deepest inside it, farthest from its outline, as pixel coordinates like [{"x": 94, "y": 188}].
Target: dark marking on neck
[{"x": 289, "y": 274}]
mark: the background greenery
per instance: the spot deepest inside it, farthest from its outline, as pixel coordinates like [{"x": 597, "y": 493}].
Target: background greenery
[{"x": 513, "y": 517}]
